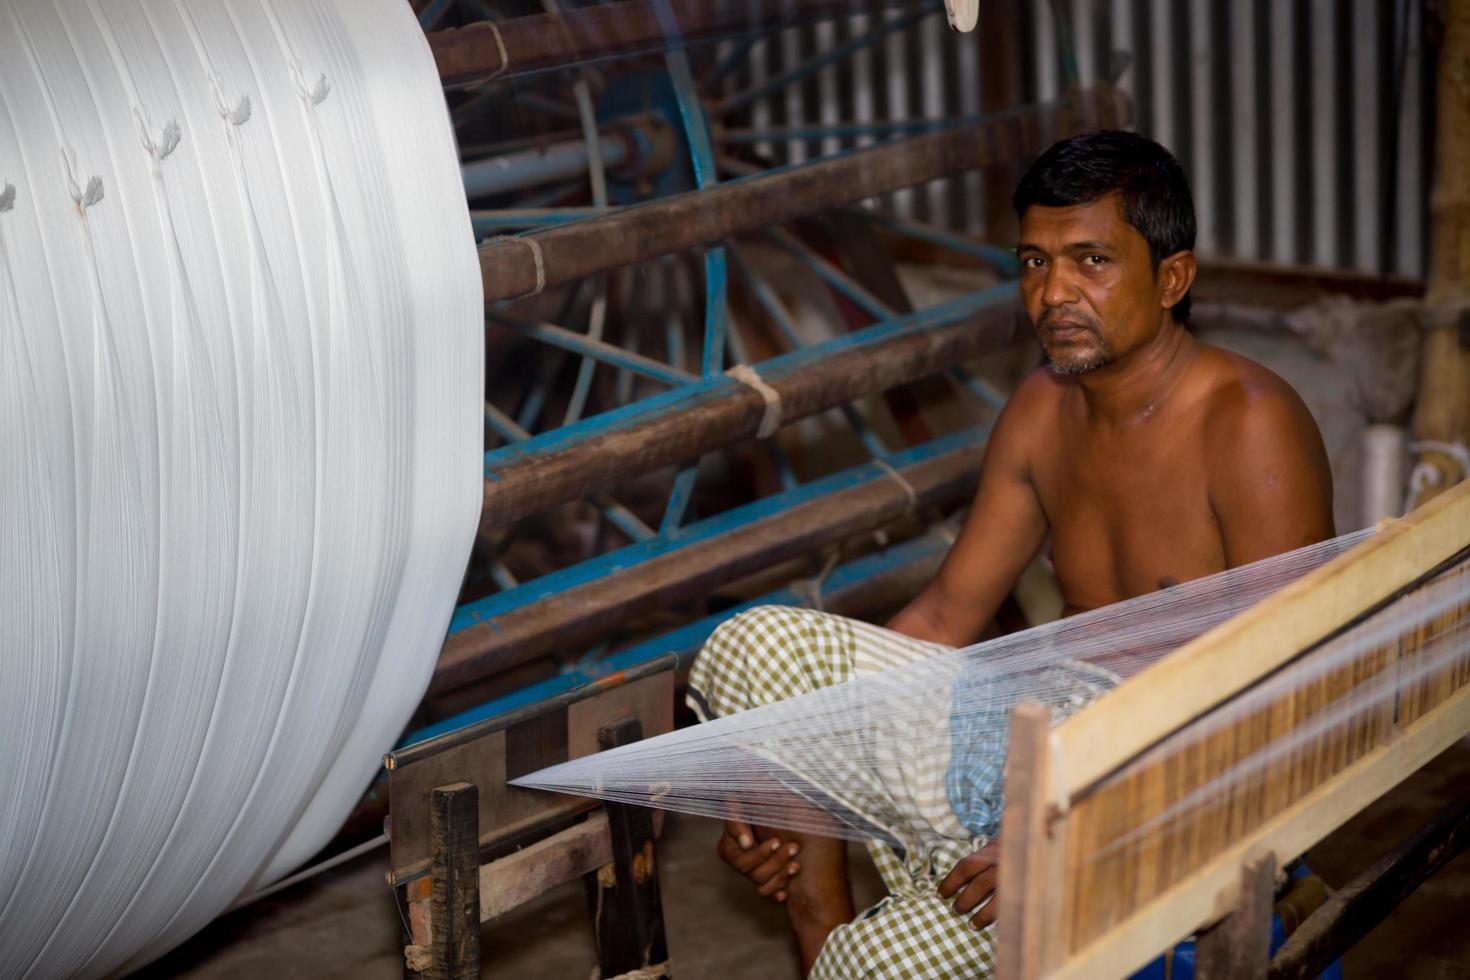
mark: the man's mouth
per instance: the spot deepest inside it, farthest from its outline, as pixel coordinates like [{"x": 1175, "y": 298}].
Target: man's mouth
[{"x": 1066, "y": 330}]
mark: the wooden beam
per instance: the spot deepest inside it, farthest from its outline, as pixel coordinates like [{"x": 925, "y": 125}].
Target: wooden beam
[
  {"x": 1029, "y": 889},
  {"x": 1355, "y": 909},
  {"x": 520, "y": 266},
  {"x": 626, "y": 907},
  {"x": 1223, "y": 662},
  {"x": 579, "y": 615},
  {"x": 542, "y": 473},
  {"x": 1213, "y": 890},
  {"x": 484, "y": 51},
  {"x": 1443, "y": 411},
  {"x": 1238, "y": 947},
  {"x": 455, "y": 876}
]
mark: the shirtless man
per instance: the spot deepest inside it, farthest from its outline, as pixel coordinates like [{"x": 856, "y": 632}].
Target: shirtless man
[{"x": 1148, "y": 457}]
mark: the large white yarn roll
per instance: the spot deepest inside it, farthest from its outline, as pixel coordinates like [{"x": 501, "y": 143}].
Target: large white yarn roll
[{"x": 241, "y": 368}]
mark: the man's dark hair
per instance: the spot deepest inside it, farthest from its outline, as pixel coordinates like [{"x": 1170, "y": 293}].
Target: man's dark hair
[{"x": 1150, "y": 184}]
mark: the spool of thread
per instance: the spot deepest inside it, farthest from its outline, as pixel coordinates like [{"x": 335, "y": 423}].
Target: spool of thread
[{"x": 1384, "y": 458}]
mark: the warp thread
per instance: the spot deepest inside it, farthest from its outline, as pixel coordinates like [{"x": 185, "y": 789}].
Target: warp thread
[
  {"x": 771, "y": 420},
  {"x": 536, "y": 256}
]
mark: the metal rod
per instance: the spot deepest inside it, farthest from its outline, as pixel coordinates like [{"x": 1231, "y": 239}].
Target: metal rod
[
  {"x": 639, "y": 233},
  {"x": 571, "y": 462},
  {"x": 740, "y": 100},
  {"x": 623, "y": 518},
  {"x": 542, "y": 165},
  {"x": 1002, "y": 259},
  {"x": 832, "y": 275},
  {"x": 550, "y": 333}
]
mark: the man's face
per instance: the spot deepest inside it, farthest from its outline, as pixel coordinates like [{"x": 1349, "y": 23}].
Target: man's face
[{"x": 1088, "y": 283}]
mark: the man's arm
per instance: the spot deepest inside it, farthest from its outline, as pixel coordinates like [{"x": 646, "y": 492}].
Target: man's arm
[
  {"x": 1001, "y": 534},
  {"x": 1270, "y": 482}
]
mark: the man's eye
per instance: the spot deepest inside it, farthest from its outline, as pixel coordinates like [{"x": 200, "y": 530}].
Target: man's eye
[
  {"x": 1031, "y": 262},
  {"x": 1093, "y": 260}
]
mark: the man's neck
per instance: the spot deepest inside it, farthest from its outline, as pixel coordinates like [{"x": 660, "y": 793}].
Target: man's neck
[{"x": 1130, "y": 390}]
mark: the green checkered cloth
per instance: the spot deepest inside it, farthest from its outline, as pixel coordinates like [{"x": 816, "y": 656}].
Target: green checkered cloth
[{"x": 772, "y": 653}]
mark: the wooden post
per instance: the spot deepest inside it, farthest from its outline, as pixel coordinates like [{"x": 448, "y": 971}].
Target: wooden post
[
  {"x": 1358, "y": 907},
  {"x": 454, "y": 829},
  {"x": 626, "y": 908},
  {"x": 1443, "y": 411},
  {"x": 1238, "y": 947},
  {"x": 1031, "y": 841}
]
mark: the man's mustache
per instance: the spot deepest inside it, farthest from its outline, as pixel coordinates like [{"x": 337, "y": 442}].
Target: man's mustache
[{"x": 1052, "y": 317}]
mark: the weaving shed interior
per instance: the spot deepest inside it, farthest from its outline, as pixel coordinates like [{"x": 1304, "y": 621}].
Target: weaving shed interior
[{"x": 755, "y": 298}]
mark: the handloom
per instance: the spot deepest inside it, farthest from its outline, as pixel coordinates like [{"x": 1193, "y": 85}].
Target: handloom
[{"x": 1297, "y": 690}]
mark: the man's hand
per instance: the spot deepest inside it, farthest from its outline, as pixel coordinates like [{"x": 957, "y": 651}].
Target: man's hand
[
  {"x": 973, "y": 880},
  {"x": 767, "y": 863}
]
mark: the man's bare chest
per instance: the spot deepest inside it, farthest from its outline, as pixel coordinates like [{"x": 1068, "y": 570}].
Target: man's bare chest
[{"x": 1128, "y": 517}]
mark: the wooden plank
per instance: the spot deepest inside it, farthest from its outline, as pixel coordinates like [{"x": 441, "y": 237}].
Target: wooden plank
[
  {"x": 626, "y": 907},
  {"x": 1030, "y": 879},
  {"x": 507, "y": 812},
  {"x": 1223, "y": 662},
  {"x": 534, "y": 870},
  {"x": 1213, "y": 890},
  {"x": 1238, "y": 947},
  {"x": 455, "y": 877},
  {"x": 1354, "y": 910}
]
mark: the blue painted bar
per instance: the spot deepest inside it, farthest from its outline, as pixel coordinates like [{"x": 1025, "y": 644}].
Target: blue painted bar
[
  {"x": 1002, "y": 259},
  {"x": 431, "y": 14},
  {"x": 731, "y": 61},
  {"x": 719, "y": 386},
  {"x": 615, "y": 561},
  {"x": 686, "y": 640},
  {"x": 679, "y": 499},
  {"x": 495, "y": 222},
  {"x": 983, "y": 389},
  {"x": 550, "y": 333},
  {"x": 881, "y": 130},
  {"x": 831, "y": 275}
]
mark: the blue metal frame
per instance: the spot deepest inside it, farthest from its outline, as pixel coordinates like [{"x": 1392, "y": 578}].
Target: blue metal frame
[
  {"x": 717, "y": 386},
  {"x": 614, "y": 562},
  {"x": 685, "y": 641}
]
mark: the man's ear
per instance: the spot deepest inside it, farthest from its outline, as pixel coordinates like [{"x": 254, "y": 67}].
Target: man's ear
[{"x": 1176, "y": 275}]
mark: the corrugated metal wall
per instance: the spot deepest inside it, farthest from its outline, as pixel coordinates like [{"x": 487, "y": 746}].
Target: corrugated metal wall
[{"x": 1305, "y": 125}]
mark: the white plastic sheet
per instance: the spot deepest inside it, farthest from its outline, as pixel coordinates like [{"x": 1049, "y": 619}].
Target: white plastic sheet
[{"x": 241, "y": 366}]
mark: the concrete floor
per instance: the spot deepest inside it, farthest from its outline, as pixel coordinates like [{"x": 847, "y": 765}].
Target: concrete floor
[{"x": 343, "y": 923}]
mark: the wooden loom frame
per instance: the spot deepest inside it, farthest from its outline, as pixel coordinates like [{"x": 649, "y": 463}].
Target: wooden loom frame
[{"x": 1061, "y": 916}]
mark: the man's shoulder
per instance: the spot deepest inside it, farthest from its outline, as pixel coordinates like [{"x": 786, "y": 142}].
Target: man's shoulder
[{"x": 1244, "y": 399}]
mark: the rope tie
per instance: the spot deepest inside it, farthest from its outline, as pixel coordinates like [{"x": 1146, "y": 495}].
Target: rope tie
[
  {"x": 477, "y": 83},
  {"x": 811, "y": 588},
  {"x": 771, "y": 420},
  {"x": 536, "y": 256},
  {"x": 908, "y": 488},
  {"x": 1424, "y": 476}
]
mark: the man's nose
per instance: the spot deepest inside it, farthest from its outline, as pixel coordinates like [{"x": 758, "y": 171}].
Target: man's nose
[{"x": 1057, "y": 290}]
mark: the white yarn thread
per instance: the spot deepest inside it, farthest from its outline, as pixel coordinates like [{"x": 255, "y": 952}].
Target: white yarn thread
[
  {"x": 864, "y": 741},
  {"x": 241, "y": 371},
  {"x": 771, "y": 418}
]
